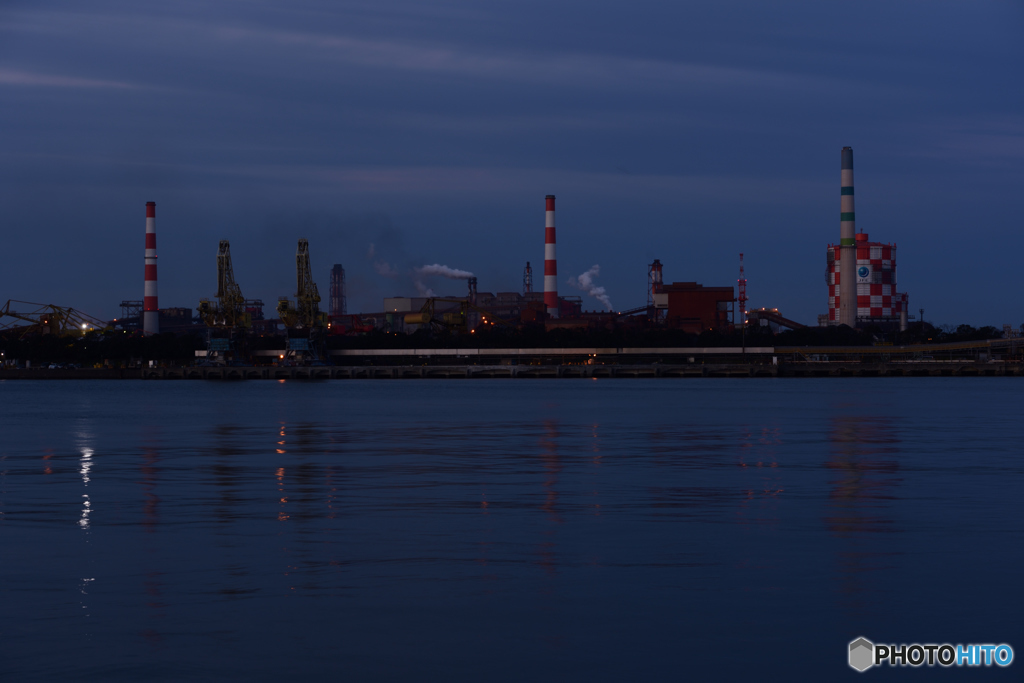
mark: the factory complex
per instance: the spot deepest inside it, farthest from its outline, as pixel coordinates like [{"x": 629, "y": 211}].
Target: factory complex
[{"x": 861, "y": 292}]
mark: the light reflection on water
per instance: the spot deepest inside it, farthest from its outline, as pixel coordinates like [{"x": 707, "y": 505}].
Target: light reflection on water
[{"x": 385, "y": 529}]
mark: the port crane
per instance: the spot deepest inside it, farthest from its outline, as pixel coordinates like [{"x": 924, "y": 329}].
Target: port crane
[
  {"x": 305, "y": 321},
  {"x": 229, "y": 311},
  {"x": 228, "y": 320},
  {"x": 45, "y": 319}
]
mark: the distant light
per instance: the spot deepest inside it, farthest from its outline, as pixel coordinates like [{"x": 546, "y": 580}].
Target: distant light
[{"x": 84, "y": 326}]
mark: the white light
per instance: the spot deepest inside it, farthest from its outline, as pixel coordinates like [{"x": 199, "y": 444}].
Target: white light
[{"x": 84, "y": 326}]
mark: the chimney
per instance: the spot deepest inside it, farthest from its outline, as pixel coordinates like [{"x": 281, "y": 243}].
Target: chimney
[
  {"x": 150, "y": 306},
  {"x": 550, "y": 263},
  {"x": 847, "y": 244}
]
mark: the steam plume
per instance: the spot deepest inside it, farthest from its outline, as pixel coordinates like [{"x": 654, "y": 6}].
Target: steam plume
[
  {"x": 384, "y": 268},
  {"x": 444, "y": 271},
  {"x": 586, "y": 283}
]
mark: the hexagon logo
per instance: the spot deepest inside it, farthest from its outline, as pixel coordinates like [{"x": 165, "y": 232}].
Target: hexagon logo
[{"x": 862, "y": 654}]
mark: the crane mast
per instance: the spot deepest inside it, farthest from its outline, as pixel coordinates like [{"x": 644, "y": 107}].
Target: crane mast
[
  {"x": 304, "y": 320},
  {"x": 305, "y": 313},
  {"x": 227, "y": 320},
  {"x": 229, "y": 311}
]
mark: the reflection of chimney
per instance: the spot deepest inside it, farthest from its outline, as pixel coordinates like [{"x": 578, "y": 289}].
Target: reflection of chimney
[
  {"x": 550, "y": 263},
  {"x": 150, "y": 307},
  {"x": 847, "y": 252}
]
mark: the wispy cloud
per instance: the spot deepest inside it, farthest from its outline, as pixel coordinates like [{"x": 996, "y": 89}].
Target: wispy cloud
[
  {"x": 29, "y": 78},
  {"x": 577, "y": 69}
]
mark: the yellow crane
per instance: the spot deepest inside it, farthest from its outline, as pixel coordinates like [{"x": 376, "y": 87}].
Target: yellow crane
[
  {"x": 451, "y": 318},
  {"x": 46, "y": 319},
  {"x": 305, "y": 312},
  {"x": 227, "y": 320},
  {"x": 229, "y": 311},
  {"x": 305, "y": 322}
]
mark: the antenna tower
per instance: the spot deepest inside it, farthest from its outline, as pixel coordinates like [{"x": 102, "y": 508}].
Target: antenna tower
[
  {"x": 742, "y": 293},
  {"x": 654, "y": 283},
  {"x": 527, "y": 279}
]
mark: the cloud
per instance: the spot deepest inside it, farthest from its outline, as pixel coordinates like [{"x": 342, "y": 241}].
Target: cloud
[
  {"x": 28, "y": 78},
  {"x": 579, "y": 69}
]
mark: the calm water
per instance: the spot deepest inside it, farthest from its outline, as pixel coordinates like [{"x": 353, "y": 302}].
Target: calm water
[{"x": 504, "y": 529}]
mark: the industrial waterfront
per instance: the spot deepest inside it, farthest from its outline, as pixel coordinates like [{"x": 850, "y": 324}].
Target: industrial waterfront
[{"x": 867, "y": 319}]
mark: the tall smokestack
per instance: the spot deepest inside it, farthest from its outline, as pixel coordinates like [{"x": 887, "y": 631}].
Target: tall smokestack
[
  {"x": 847, "y": 244},
  {"x": 550, "y": 263},
  {"x": 150, "y": 307}
]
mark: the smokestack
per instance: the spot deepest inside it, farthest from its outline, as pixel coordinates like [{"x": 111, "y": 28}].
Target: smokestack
[
  {"x": 150, "y": 307},
  {"x": 550, "y": 263},
  {"x": 339, "y": 302},
  {"x": 847, "y": 244}
]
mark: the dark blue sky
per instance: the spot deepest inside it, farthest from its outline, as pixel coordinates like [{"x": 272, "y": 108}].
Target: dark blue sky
[{"x": 686, "y": 132}]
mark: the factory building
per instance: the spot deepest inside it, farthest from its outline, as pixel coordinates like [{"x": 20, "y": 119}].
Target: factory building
[
  {"x": 695, "y": 308},
  {"x": 512, "y": 307}
]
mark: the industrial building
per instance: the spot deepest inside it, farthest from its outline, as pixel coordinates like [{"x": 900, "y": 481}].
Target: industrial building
[
  {"x": 694, "y": 308},
  {"x": 861, "y": 280},
  {"x": 860, "y": 274}
]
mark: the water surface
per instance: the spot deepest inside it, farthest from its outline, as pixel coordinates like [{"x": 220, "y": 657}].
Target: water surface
[{"x": 503, "y": 529}]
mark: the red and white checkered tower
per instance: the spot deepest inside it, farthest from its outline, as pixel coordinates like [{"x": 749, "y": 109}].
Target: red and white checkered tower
[
  {"x": 550, "y": 263},
  {"x": 150, "y": 307}
]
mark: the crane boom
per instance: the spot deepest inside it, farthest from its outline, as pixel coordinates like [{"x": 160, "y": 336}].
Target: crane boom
[{"x": 47, "y": 319}]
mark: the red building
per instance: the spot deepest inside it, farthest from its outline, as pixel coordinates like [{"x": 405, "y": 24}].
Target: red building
[{"x": 696, "y": 308}]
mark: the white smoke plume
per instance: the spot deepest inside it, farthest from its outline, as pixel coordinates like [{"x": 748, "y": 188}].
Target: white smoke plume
[
  {"x": 424, "y": 290},
  {"x": 586, "y": 283},
  {"x": 384, "y": 268},
  {"x": 444, "y": 271}
]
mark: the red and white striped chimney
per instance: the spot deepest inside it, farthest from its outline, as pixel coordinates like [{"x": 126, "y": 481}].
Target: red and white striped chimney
[
  {"x": 550, "y": 263},
  {"x": 150, "y": 307}
]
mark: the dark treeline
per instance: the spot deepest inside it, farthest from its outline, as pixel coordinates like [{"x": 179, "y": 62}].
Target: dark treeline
[{"x": 119, "y": 349}]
